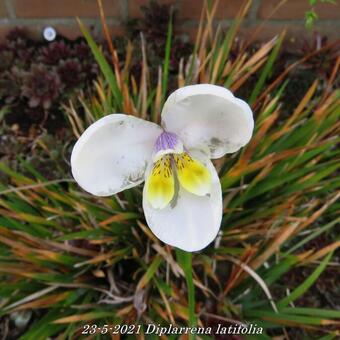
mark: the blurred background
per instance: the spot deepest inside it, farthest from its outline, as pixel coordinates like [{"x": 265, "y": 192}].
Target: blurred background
[
  {"x": 34, "y": 15},
  {"x": 68, "y": 259}
]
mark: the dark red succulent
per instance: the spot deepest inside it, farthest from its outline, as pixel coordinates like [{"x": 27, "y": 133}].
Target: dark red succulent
[
  {"x": 156, "y": 21},
  {"x": 70, "y": 73},
  {"x": 6, "y": 59},
  {"x": 83, "y": 54},
  {"x": 16, "y": 46},
  {"x": 10, "y": 85},
  {"x": 17, "y": 33},
  {"x": 20, "y": 46},
  {"x": 54, "y": 52},
  {"x": 41, "y": 86},
  {"x": 17, "y": 42},
  {"x": 3, "y": 47},
  {"x": 91, "y": 72},
  {"x": 25, "y": 56},
  {"x": 81, "y": 51}
]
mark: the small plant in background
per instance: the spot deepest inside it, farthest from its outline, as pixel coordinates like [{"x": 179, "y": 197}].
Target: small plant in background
[
  {"x": 54, "y": 52},
  {"x": 324, "y": 56},
  {"x": 10, "y": 85},
  {"x": 154, "y": 27},
  {"x": 41, "y": 86},
  {"x": 41, "y": 76},
  {"x": 6, "y": 59},
  {"x": 71, "y": 73},
  {"x": 74, "y": 64},
  {"x": 311, "y": 16},
  {"x": 155, "y": 24},
  {"x": 30, "y": 111}
]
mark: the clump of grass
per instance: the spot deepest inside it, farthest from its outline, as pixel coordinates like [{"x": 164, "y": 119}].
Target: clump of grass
[{"x": 69, "y": 259}]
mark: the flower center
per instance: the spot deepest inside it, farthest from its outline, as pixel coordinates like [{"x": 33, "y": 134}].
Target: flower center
[
  {"x": 171, "y": 164},
  {"x": 167, "y": 143}
]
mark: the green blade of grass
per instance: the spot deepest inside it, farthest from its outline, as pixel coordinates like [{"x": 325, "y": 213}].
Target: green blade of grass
[
  {"x": 185, "y": 260},
  {"x": 152, "y": 268},
  {"x": 302, "y": 288},
  {"x": 313, "y": 235},
  {"x": 166, "y": 64},
  {"x": 266, "y": 71},
  {"x": 104, "y": 66},
  {"x": 282, "y": 318},
  {"x": 324, "y": 313}
]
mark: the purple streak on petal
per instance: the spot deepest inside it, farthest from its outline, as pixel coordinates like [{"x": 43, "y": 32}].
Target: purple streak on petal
[{"x": 166, "y": 140}]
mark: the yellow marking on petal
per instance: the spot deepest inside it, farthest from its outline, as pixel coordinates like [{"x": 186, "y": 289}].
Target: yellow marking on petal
[
  {"x": 160, "y": 185},
  {"x": 192, "y": 175}
]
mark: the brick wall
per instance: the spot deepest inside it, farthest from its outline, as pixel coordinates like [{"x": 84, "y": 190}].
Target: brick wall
[{"x": 37, "y": 14}]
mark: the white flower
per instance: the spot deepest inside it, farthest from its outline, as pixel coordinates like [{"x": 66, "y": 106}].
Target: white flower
[{"x": 182, "y": 198}]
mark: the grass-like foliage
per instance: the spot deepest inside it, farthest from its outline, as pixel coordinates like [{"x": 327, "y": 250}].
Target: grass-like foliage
[{"x": 69, "y": 259}]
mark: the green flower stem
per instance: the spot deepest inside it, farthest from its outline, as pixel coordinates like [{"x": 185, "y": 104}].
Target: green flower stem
[{"x": 185, "y": 260}]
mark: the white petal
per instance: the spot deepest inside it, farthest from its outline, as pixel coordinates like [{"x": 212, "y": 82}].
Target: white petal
[
  {"x": 190, "y": 222},
  {"x": 113, "y": 153},
  {"x": 208, "y": 116}
]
